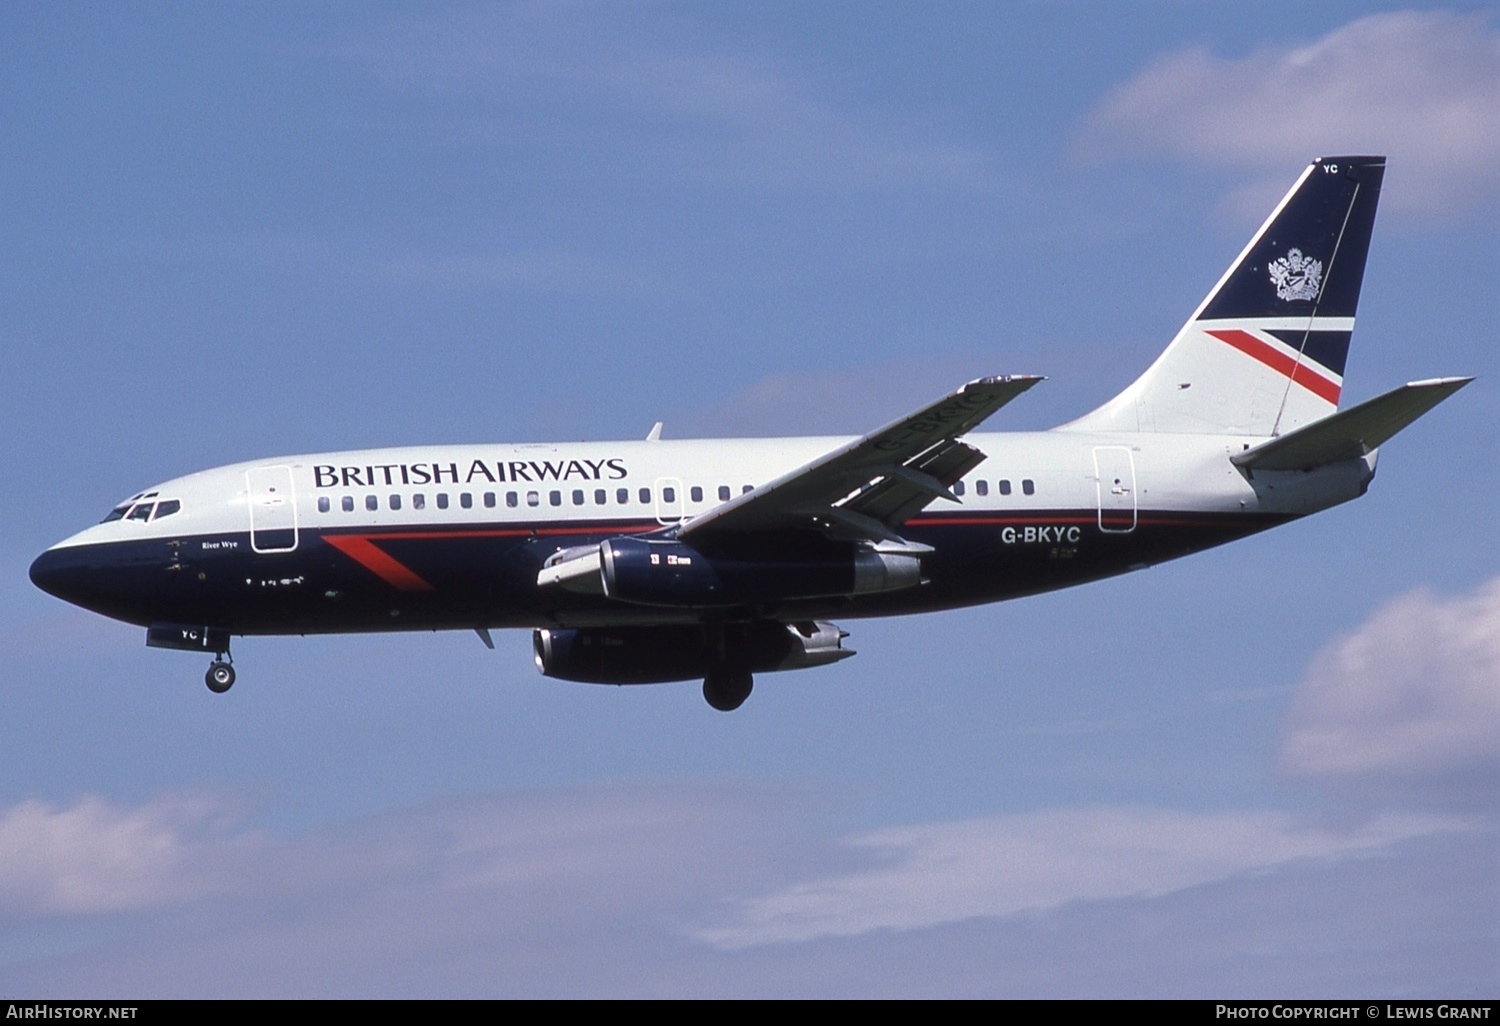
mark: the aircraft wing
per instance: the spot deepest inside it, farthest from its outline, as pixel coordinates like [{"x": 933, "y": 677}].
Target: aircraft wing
[{"x": 873, "y": 484}]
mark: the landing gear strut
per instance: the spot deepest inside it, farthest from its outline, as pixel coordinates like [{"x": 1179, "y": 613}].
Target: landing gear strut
[
  {"x": 220, "y": 677},
  {"x": 727, "y": 690}
]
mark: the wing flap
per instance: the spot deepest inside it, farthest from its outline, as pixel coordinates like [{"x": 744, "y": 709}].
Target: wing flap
[
  {"x": 897, "y": 498},
  {"x": 1349, "y": 433},
  {"x": 906, "y": 452}
]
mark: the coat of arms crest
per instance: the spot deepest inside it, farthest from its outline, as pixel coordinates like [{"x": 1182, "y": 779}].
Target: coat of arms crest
[{"x": 1296, "y": 276}]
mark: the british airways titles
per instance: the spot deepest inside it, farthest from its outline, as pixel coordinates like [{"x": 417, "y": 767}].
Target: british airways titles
[{"x": 498, "y": 472}]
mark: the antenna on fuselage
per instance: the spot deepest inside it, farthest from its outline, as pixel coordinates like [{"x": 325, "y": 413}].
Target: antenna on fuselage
[{"x": 654, "y": 435}]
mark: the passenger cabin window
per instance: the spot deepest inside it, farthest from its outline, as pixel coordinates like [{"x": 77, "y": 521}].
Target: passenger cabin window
[
  {"x": 622, "y": 496},
  {"x": 489, "y": 500},
  {"x": 747, "y": 488},
  {"x": 512, "y": 499},
  {"x": 395, "y": 502},
  {"x": 958, "y": 488},
  {"x": 323, "y": 504},
  {"x": 1004, "y": 487},
  {"x": 1028, "y": 486},
  {"x": 600, "y": 496},
  {"x": 578, "y": 496},
  {"x": 466, "y": 500},
  {"x": 372, "y": 503},
  {"x": 669, "y": 495},
  {"x": 646, "y": 496},
  {"x": 533, "y": 498},
  {"x": 723, "y": 493},
  {"x": 981, "y": 487},
  {"x": 442, "y": 500},
  {"x": 347, "y": 504},
  {"x": 696, "y": 493}
]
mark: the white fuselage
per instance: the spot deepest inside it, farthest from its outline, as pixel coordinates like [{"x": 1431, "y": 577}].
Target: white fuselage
[{"x": 668, "y": 482}]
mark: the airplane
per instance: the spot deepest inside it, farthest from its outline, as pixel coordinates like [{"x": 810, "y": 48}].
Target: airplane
[{"x": 650, "y": 561}]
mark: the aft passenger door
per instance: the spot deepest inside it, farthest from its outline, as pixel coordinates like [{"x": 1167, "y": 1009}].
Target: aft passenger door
[
  {"x": 273, "y": 509},
  {"x": 1115, "y": 467}
]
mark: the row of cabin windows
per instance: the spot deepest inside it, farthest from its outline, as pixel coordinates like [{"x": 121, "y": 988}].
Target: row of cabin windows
[
  {"x": 600, "y": 496},
  {"x": 982, "y": 487},
  {"x": 513, "y": 499}
]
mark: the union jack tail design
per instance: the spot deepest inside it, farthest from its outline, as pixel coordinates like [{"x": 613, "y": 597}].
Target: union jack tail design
[{"x": 1264, "y": 353}]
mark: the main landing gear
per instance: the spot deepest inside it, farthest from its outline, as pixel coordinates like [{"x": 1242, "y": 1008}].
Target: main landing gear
[
  {"x": 727, "y": 690},
  {"x": 220, "y": 676}
]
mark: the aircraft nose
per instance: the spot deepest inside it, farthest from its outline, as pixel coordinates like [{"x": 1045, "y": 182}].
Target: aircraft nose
[
  {"x": 123, "y": 583},
  {"x": 57, "y": 574},
  {"x": 77, "y": 574}
]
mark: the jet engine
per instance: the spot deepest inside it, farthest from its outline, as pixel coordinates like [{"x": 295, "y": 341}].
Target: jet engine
[
  {"x": 663, "y": 572},
  {"x": 652, "y": 655}
]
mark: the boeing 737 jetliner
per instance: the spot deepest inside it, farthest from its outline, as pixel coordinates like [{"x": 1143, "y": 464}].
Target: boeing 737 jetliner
[{"x": 648, "y": 561}]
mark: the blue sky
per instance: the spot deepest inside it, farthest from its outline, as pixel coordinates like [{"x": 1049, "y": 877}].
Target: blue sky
[{"x": 241, "y": 230}]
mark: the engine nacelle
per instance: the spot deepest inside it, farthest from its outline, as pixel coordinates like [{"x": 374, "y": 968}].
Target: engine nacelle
[
  {"x": 813, "y": 643},
  {"x": 654, "y": 655},
  {"x": 669, "y": 573}
]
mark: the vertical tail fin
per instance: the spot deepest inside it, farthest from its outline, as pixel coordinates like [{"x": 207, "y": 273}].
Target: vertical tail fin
[{"x": 1264, "y": 353}]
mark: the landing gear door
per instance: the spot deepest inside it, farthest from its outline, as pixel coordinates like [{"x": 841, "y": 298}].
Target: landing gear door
[
  {"x": 1115, "y": 468},
  {"x": 273, "y": 509}
]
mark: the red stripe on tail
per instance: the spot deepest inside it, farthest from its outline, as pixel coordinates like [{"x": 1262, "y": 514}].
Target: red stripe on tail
[{"x": 1299, "y": 373}]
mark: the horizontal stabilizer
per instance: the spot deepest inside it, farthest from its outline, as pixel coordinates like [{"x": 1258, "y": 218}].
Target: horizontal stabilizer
[{"x": 1350, "y": 433}]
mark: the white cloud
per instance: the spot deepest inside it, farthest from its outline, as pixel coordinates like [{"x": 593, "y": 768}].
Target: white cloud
[
  {"x": 95, "y": 857},
  {"x": 1413, "y": 693},
  {"x": 100, "y": 857},
  {"x": 1421, "y": 87},
  {"x": 606, "y": 891},
  {"x": 1007, "y": 865}
]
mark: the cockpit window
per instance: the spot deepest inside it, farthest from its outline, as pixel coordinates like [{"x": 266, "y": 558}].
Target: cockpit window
[{"x": 140, "y": 507}]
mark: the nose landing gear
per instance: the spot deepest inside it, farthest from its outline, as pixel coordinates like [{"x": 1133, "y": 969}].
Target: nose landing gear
[
  {"x": 220, "y": 676},
  {"x": 198, "y": 638}
]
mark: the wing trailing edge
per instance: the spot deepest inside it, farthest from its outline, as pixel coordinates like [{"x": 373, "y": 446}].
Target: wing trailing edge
[{"x": 875, "y": 483}]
